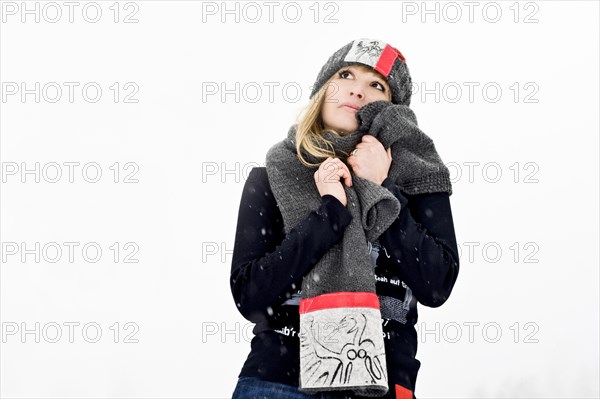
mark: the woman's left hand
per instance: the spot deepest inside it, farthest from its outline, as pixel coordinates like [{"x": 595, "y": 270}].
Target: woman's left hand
[{"x": 371, "y": 161}]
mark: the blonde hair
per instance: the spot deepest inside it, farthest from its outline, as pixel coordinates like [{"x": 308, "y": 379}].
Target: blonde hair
[{"x": 310, "y": 124}]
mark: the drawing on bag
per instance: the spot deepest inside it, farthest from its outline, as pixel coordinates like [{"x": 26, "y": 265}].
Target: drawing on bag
[{"x": 339, "y": 354}]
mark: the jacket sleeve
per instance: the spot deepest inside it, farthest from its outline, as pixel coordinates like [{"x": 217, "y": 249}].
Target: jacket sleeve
[
  {"x": 266, "y": 264},
  {"x": 421, "y": 243}
]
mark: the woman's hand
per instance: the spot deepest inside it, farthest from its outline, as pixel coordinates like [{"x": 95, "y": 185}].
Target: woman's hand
[
  {"x": 327, "y": 179},
  {"x": 371, "y": 161}
]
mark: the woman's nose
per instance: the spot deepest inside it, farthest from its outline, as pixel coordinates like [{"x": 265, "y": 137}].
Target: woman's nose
[{"x": 357, "y": 90}]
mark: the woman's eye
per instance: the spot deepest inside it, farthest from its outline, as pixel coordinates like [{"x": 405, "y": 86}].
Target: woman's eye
[
  {"x": 342, "y": 73},
  {"x": 380, "y": 85}
]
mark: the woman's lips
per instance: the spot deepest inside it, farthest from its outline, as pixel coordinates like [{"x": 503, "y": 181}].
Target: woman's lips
[{"x": 346, "y": 107}]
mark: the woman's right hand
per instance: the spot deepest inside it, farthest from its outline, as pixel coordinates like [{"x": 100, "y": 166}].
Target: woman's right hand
[{"x": 328, "y": 176}]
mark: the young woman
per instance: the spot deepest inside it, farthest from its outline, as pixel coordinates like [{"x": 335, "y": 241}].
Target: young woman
[{"x": 347, "y": 227}]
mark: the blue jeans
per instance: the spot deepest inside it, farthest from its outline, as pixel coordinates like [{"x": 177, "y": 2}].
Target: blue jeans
[{"x": 255, "y": 388}]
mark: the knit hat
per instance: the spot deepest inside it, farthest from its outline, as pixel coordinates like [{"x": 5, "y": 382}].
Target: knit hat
[{"x": 376, "y": 54}]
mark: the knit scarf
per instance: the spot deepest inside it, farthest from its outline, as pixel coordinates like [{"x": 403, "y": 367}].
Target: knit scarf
[{"x": 341, "y": 334}]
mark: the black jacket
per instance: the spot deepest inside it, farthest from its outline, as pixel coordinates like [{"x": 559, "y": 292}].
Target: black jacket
[{"x": 415, "y": 260}]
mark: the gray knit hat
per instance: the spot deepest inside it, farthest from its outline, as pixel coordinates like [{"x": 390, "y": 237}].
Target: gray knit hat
[{"x": 380, "y": 56}]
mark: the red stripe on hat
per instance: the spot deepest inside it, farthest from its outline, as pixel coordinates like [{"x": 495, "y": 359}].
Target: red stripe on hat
[
  {"x": 386, "y": 60},
  {"x": 340, "y": 300},
  {"x": 399, "y": 54}
]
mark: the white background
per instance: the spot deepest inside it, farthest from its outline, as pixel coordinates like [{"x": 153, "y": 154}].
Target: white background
[{"x": 192, "y": 152}]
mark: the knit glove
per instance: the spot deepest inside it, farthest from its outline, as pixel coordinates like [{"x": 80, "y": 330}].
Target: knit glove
[
  {"x": 367, "y": 114},
  {"x": 416, "y": 165}
]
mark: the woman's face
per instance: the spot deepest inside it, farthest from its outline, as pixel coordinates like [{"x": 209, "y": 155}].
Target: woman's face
[{"x": 351, "y": 88}]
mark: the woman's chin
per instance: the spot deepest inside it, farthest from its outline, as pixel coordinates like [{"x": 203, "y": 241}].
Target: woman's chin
[{"x": 350, "y": 129}]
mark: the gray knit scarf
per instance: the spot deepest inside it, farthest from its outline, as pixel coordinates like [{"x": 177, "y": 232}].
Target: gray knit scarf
[{"x": 341, "y": 337}]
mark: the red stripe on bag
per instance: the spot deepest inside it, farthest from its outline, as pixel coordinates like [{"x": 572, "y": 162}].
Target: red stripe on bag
[
  {"x": 340, "y": 300},
  {"x": 386, "y": 60},
  {"x": 403, "y": 393}
]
